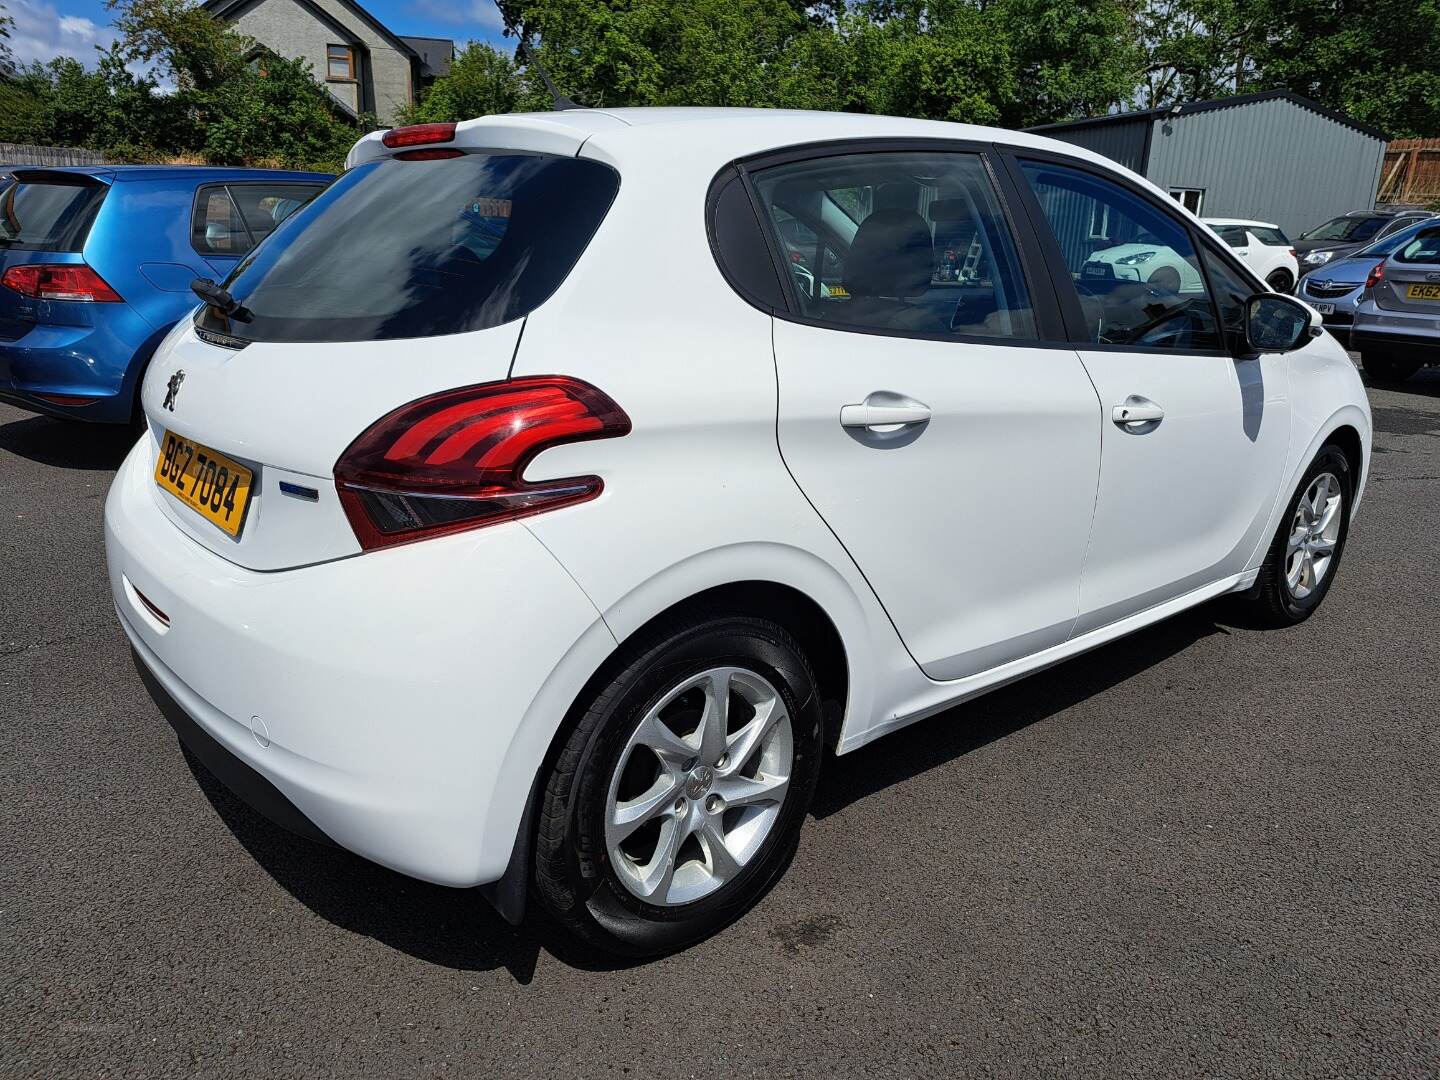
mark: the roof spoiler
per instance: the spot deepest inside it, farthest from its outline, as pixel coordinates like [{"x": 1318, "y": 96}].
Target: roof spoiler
[{"x": 57, "y": 176}]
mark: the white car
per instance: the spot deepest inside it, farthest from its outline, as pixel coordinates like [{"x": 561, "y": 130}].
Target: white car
[
  {"x": 512, "y": 519},
  {"x": 1151, "y": 262},
  {"x": 1264, "y": 247}
]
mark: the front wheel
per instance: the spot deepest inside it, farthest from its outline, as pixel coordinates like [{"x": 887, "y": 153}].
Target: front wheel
[
  {"x": 678, "y": 798},
  {"x": 1280, "y": 281},
  {"x": 1305, "y": 555},
  {"x": 1389, "y": 368}
]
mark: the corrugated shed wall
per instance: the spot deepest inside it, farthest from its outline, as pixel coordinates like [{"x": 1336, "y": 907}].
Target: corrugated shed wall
[
  {"x": 1271, "y": 160},
  {"x": 1122, "y": 141}
]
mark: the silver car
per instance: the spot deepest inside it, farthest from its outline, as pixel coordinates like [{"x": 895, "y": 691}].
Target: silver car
[
  {"x": 1335, "y": 289},
  {"x": 1397, "y": 325}
]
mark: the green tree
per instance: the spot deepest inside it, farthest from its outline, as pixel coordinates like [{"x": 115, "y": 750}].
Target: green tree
[
  {"x": 482, "y": 81},
  {"x": 7, "y": 59},
  {"x": 1379, "y": 60}
]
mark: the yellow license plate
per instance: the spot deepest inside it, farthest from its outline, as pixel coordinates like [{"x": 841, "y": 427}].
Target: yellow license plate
[
  {"x": 1422, "y": 292},
  {"x": 214, "y": 486}
]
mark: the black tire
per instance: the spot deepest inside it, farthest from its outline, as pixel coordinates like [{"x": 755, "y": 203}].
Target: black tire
[
  {"x": 1271, "y": 601},
  {"x": 1280, "y": 281},
  {"x": 573, "y": 875},
  {"x": 1389, "y": 368}
]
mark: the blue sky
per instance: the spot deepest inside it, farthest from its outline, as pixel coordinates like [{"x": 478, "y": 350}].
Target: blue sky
[{"x": 47, "y": 28}]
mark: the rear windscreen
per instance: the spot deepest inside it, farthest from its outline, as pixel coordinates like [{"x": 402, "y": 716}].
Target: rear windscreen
[
  {"x": 405, "y": 249},
  {"x": 1270, "y": 237},
  {"x": 48, "y": 215}
]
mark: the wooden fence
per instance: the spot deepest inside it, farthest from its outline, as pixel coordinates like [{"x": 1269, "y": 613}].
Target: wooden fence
[
  {"x": 1411, "y": 173},
  {"x": 21, "y": 154}
]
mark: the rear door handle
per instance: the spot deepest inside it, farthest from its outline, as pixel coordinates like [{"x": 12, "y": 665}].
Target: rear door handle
[
  {"x": 888, "y": 412},
  {"x": 1135, "y": 412}
]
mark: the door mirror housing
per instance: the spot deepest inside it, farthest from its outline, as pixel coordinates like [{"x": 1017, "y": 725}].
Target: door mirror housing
[{"x": 1277, "y": 324}]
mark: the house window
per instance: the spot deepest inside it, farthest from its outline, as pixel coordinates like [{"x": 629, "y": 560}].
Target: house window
[
  {"x": 339, "y": 63},
  {"x": 1099, "y": 221},
  {"x": 1188, "y": 197}
]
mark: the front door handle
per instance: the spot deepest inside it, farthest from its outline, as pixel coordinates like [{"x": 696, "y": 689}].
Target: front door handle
[
  {"x": 883, "y": 411},
  {"x": 1136, "y": 412}
]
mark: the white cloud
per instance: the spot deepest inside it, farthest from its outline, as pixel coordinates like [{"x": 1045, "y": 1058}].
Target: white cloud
[
  {"x": 482, "y": 14},
  {"x": 42, "y": 33}
]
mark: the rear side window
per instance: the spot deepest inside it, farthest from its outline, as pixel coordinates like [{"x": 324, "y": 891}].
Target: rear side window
[
  {"x": 406, "y": 249},
  {"x": 230, "y": 219},
  {"x": 50, "y": 214},
  {"x": 1270, "y": 237},
  {"x": 1425, "y": 248},
  {"x": 905, "y": 242}
]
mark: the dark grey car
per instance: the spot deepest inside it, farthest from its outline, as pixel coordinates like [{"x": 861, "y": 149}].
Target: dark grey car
[{"x": 1349, "y": 233}]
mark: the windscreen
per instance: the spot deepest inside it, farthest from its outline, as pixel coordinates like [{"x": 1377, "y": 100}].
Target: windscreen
[
  {"x": 1346, "y": 228},
  {"x": 54, "y": 214},
  {"x": 419, "y": 248}
]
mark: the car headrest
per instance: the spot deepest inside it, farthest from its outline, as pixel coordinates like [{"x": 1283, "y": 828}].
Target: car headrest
[{"x": 892, "y": 255}]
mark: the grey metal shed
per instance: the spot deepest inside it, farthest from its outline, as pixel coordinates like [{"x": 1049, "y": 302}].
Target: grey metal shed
[{"x": 1274, "y": 156}]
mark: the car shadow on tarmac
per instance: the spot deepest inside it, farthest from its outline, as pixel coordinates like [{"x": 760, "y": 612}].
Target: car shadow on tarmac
[
  {"x": 457, "y": 928},
  {"x": 942, "y": 738},
  {"x": 1424, "y": 383},
  {"x": 67, "y": 444}
]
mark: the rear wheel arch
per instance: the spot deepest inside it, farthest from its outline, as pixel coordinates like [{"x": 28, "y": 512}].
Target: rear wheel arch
[{"x": 804, "y": 618}]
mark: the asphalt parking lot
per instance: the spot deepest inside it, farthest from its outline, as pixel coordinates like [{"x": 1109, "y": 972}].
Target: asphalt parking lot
[{"x": 1203, "y": 851}]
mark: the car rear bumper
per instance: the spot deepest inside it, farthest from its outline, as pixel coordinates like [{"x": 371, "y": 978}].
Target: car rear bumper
[
  {"x": 94, "y": 363},
  {"x": 377, "y": 701},
  {"x": 1425, "y": 346}
]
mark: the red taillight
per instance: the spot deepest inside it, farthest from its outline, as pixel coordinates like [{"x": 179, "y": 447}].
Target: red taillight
[
  {"x": 1376, "y": 275},
  {"x": 418, "y": 135},
  {"x": 51, "y": 282},
  {"x": 1294, "y": 254},
  {"x": 457, "y": 460}
]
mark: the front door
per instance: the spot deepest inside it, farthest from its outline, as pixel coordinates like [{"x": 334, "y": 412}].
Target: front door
[
  {"x": 1194, "y": 439},
  {"x": 951, "y": 451}
]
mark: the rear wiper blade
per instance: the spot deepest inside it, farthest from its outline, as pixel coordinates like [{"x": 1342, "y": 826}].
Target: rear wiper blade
[{"x": 220, "y": 299}]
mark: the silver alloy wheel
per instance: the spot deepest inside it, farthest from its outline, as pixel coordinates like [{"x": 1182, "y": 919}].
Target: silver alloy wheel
[
  {"x": 699, "y": 786},
  {"x": 1314, "y": 532}
]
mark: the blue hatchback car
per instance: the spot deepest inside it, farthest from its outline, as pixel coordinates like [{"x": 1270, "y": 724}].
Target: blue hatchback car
[{"x": 96, "y": 264}]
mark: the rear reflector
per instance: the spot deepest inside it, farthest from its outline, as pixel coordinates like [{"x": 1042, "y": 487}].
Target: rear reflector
[
  {"x": 74, "y": 401},
  {"x": 418, "y": 135},
  {"x": 59, "y": 282},
  {"x": 457, "y": 460},
  {"x": 160, "y": 616}
]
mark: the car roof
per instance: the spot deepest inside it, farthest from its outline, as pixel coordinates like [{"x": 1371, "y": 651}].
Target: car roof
[
  {"x": 712, "y": 134},
  {"x": 1249, "y": 223},
  {"x": 116, "y": 174}
]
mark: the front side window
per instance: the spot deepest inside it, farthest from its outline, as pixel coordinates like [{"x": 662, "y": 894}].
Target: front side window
[
  {"x": 1233, "y": 235},
  {"x": 909, "y": 243},
  {"x": 1232, "y": 290},
  {"x": 1141, "y": 285},
  {"x": 403, "y": 249}
]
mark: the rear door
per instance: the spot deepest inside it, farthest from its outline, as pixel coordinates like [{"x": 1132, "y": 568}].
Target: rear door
[
  {"x": 1194, "y": 438},
  {"x": 925, "y": 408}
]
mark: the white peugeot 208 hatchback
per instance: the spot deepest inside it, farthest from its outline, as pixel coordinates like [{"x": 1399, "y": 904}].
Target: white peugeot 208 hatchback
[{"x": 540, "y": 505}]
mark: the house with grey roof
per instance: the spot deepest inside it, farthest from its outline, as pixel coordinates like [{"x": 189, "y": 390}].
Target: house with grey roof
[{"x": 364, "y": 65}]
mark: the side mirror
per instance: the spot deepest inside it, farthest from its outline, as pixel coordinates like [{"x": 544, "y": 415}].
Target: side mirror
[{"x": 1277, "y": 324}]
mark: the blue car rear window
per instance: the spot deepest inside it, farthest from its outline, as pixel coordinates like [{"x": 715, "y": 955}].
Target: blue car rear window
[
  {"x": 405, "y": 249},
  {"x": 50, "y": 214}
]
